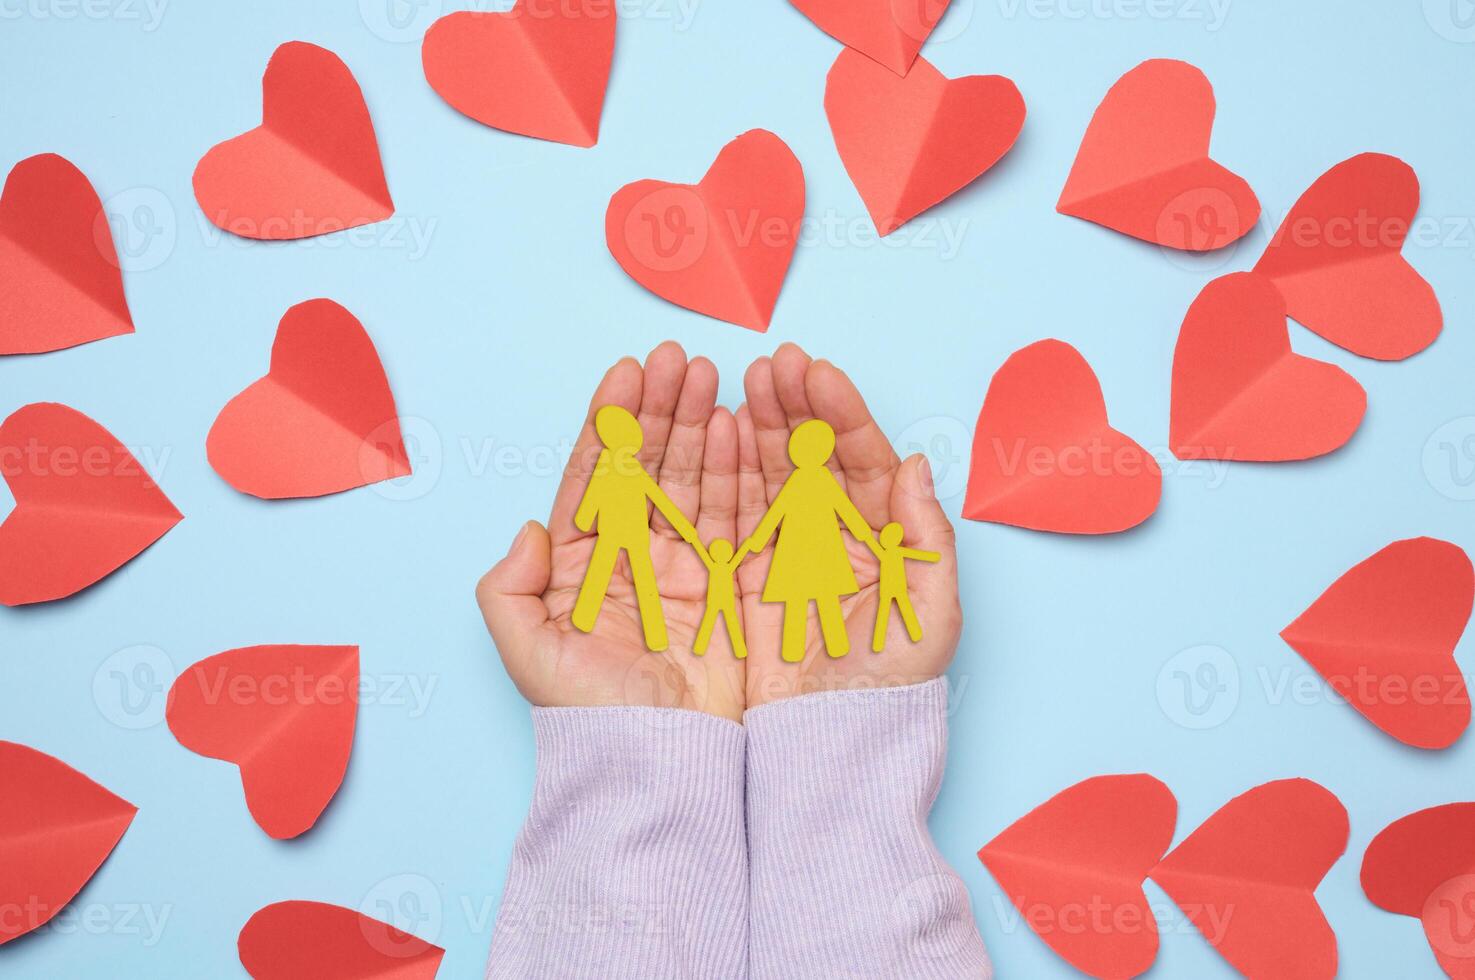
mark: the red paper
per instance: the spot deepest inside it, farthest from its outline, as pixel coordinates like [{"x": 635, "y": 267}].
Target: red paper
[
  {"x": 1337, "y": 260},
  {"x": 311, "y": 167},
  {"x": 1423, "y": 865},
  {"x": 57, "y": 827},
  {"x": 284, "y": 714},
  {"x": 1247, "y": 879},
  {"x": 888, "y": 31},
  {"x": 60, "y": 285},
  {"x": 538, "y": 69},
  {"x": 313, "y": 941},
  {"x": 83, "y": 505},
  {"x": 1044, "y": 456},
  {"x": 908, "y": 143},
  {"x": 1383, "y": 636},
  {"x": 1074, "y": 868},
  {"x": 1144, "y": 168},
  {"x": 721, "y": 247},
  {"x": 1238, "y": 390},
  {"x": 321, "y": 421}
]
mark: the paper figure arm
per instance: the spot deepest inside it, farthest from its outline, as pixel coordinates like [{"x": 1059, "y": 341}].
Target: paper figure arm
[
  {"x": 854, "y": 523},
  {"x": 589, "y": 503},
  {"x": 704, "y": 555},
  {"x": 918, "y": 555},
  {"x": 678, "y": 520},
  {"x": 763, "y": 533}
]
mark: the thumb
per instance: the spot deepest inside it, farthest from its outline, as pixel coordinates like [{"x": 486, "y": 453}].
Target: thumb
[
  {"x": 914, "y": 504},
  {"x": 511, "y": 595}
]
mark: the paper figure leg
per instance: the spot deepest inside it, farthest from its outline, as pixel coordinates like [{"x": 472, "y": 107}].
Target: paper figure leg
[
  {"x": 796, "y": 618},
  {"x": 596, "y": 584},
  {"x": 648, "y": 594},
  {"x": 883, "y": 619},
  {"x": 704, "y": 632},
  {"x": 735, "y": 634},
  {"x": 909, "y": 616},
  {"x": 832, "y": 625}
]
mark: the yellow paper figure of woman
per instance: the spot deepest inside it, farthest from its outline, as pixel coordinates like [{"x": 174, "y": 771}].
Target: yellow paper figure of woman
[
  {"x": 617, "y": 497},
  {"x": 721, "y": 596},
  {"x": 893, "y": 558},
  {"x": 810, "y": 563}
]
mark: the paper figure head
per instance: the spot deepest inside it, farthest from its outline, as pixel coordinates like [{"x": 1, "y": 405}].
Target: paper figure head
[
  {"x": 811, "y": 444},
  {"x": 891, "y": 535},
  {"x": 720, "y": 550},
  {"x": 618, "y": 429}
]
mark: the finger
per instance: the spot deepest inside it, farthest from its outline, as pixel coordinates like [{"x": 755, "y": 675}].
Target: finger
[
  {"x": 770, "y": 425},
  {"x": 665, "y": 369},
  {"x": 790, "y": 369},
  {"x": 717, "y": 515},
  {"x": 862, "y": 449},
  {"x": 511, "y": 601},
  {"x": 681, "y": 467},
  {"x": 621, "y": 386},
  {"x": 914, "y": 505}
]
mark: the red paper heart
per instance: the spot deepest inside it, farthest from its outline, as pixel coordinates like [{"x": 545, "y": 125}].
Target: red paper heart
[
  {"x": 1238, "y": 390},
  {"x": 1383, "y": 636},
  {"x": 1423, "y": 865},
  {"x": 721, "y": 247},
  {"x": 1044, "y": 456},
  {"x": 1144, "y": 168},
  {"x": 1074, "y": 866},
  {"x": 1247, "y": 879},
  {"x": 314, "y": 940},
  {"x": 537, "y": 69},
  {"x": 910, "y": 142},
  {"x": 83, "y": 505},
  {"x": 283, "y": 714},
  {"x": 321, "y": 421},
  {"x": 888, "y": 31},
  {"x": 1337, "y": 259},
  {"x": 311, "y": 167},
  {"x": 57, "y": 827},
  {"x": 60, "y": 285}
]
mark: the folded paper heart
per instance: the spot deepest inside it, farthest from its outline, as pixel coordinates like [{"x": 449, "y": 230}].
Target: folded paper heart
[
  {"x": 313, "y": 940},
  {"x": 60, "y": 283},
  {"x": 1423, "y": 865},
  {"x": 1247, "y": 879},
  {"x": 284, "y": 714},
  {"x": 537, "y": 69},
  {"x": 908, "y": 143},
  {"x": 57, "y": 827},
  {"x": 1337, "y": 259},
  {"x": 83, "y": 505},
  {"x": 886, "y": 31},
  {"x": 1044, "y": 456},
  {"x": 1238, "y": 390},
  {"x": 323, "y": 418},
  {"x": 721, "y": 247},
  {"x": 1384, "y": 634},
  {"x": 1074, "y": 868},
  {"x": 311, "y": 167},
  {"x": 1144, "y": 169}
]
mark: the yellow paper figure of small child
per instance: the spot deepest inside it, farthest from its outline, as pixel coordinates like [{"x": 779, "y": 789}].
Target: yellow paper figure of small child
[
  {"x": 721, "y": 595},
  {"x": 893, "y": 559}
]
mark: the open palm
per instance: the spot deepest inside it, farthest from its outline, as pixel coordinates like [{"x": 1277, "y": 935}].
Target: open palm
[{"x": 690, "y": 449}]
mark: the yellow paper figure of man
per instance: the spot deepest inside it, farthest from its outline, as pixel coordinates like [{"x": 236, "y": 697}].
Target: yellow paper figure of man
[
  {"x": 721, "y": 596},
  {"x": 810, "y": 563},
  {"x": 893, "y": 558},
  {"x": 617, "y": 496}
]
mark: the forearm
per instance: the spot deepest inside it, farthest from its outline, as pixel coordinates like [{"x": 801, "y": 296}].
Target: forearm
[
  {"x": 846, "y": 881},
  {"x": 633, "y": 862}
]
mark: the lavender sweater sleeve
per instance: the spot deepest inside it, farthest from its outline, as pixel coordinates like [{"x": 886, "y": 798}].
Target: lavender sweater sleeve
[
  {"x": 845, "y": 879},
  {"x": 632, "y": 864}
]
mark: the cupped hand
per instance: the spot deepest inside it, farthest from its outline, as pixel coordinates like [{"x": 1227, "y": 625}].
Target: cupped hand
[
  {"x": 782, "y": 392},
  {"x": 691, "y": 450}
]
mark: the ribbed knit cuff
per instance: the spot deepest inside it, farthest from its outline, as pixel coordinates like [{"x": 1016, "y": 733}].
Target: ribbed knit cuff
[
  {"x": 633, "y": 860},
  {"x": 846, "y": 881}
]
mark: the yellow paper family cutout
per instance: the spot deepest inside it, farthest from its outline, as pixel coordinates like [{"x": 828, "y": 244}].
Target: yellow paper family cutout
[{"x": 810, "y": 563}]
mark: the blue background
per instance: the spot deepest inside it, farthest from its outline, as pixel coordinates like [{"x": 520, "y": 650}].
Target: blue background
[{"x": 495, "y": 328}]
